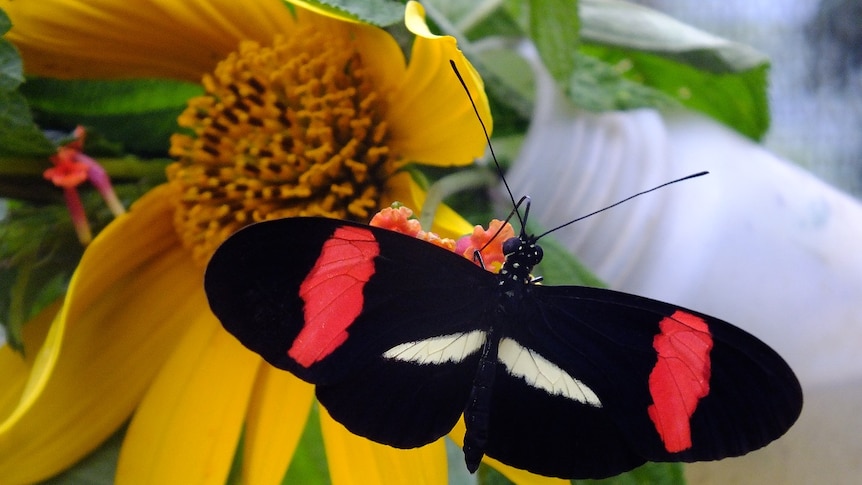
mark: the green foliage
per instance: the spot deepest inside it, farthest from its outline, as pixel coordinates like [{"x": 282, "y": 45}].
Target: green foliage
[
  {"x": 560, "y": 267},
  {"x": 38, "y": 253},
  {"x": 98, "y": 468},
  {"x": 617, "y": 55},
  {"x": 309, "y": 461},
  {"x": 634, "y": 27},
  {"x": 139, "y": 113},
  {"x": 651, "y": 59},
  {"x": 601, "y": 85},
  {"x": 18, "y": 133},
  {"x": 554, "y": 27},
  {"x": 648, "y": 474},
  {"x": 611, "y": 78},
  {"x": 381, "y": 13},
  {"x": 11, "y": 73}
]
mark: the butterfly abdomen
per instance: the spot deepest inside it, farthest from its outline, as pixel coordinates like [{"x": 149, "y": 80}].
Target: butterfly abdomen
[{"x": 477, "y": 414}]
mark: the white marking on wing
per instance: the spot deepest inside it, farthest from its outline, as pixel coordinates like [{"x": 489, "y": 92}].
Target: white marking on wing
[
  {"x": 438, "y": 350},
  {"x": 543, "y": 374}
]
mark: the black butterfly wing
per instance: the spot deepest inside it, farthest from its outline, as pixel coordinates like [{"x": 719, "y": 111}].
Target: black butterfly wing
[
  {"x": 389, "y": 328},
  {"x": 607, "y": 341},
  {"x": 414, "y": 292},
  {"x": 444, "y": 297}
]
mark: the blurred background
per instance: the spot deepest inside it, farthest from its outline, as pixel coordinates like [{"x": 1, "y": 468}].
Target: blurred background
[
  {"x": 815, "y": 91},
  {"x": 815, "y": 95}
]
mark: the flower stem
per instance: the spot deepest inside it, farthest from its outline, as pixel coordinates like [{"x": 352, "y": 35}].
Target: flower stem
[{"x": 452, "y": 184}]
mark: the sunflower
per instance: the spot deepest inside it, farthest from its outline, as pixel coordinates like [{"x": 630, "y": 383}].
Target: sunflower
[{"x": 305, "y": 112}]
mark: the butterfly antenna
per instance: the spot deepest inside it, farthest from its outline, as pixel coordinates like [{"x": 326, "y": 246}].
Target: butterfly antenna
[
  {"x": 621, "y": 201},
  {"x": 488, "y": 140}
]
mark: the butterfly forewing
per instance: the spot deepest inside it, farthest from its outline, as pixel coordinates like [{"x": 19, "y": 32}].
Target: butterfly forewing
[{"x": 373, "y": 381}]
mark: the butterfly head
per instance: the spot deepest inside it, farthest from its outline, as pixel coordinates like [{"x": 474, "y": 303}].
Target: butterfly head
[{"x": 522, "y": 254}]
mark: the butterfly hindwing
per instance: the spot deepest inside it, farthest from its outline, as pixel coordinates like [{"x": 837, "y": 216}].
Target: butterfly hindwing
[
  {"x": 609, "y": 342},
  {"x": 255, "y": 284},
  {"x": 402, "y": 404}
]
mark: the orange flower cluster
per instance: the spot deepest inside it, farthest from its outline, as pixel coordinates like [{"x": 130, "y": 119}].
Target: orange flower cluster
[{"x": 488, "y": 242}]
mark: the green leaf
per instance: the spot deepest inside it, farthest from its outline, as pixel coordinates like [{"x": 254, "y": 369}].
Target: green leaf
[
  {"x": 738, "y": 100},
  {"x": 38, "y": 252},
  {"x": 381, "y": 13},
  {"x": 599, "y": 86},
  {"x": 560, "y": 267},
  {"x": 5, "y": 23},
  {"x": 18, "y": 134},
  {"x": 98, "y": 468},
  {"x": 628, "y": 57},
  {"x": 634, "y": 27},
  {"x": 140, "y": 112},
  {"x": 487, "y": 475},
  {"x": 554, "y": 28},
  {"x": 11, "y": 71},
  {"x": 676, "y": 62},
  {"x": 649, "y": 473},
  {"x": 309, "y": 465}
]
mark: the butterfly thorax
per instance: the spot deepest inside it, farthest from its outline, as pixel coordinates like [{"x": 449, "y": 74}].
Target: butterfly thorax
[{"x": 522, "y": 254}]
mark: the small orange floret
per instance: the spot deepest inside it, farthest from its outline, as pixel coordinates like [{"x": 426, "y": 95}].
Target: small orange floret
[
  {"x": 443, "y": 242},
  {"x": 71, "y": 168},
  {"x": 67, "y": 171},
  {"x": 397, "y": 219},
  {"x": 492, "y": 254}
]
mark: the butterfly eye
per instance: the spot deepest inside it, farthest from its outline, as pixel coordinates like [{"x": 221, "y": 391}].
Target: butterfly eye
[
  {"x": 537, "y": 254},
  {"x": 511, "y": 245}
]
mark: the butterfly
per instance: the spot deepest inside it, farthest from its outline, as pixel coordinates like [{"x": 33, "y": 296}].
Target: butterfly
[{"x": 402, "y": 337}]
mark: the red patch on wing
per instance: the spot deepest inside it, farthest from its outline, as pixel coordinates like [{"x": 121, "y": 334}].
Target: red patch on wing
[
  {"x": 332, "y": 293},
  {"x": 680, "y": 377}
]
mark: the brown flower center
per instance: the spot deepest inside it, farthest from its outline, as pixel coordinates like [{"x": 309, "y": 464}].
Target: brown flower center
[{"x": 295, "y": 129}]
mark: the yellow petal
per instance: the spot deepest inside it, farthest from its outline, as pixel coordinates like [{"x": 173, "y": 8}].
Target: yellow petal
[
  {"x": 137, "y": 38},
  {"x": 277, "y": 415},
  {"x": 16, "y": 368},
  {"x": 382, "y": 57},
  {"x": 113, "y": 333},
  {"x": 187, "y": 428},
  {"x": 521, "y": 477},
  {"x": 431, "y": 96},
  {"x": 447, "y": 223},
  {"x": 356, "y": 460}
]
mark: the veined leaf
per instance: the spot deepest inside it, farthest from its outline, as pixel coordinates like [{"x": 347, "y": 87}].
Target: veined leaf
[
  {"x": 140, "y": 112},
  {"x": 18, "y": 134},
  {"x": 738, "y": 100},
  {"x": 634, "y": 27},
  {"x": 381, "y": 13},
  {"x": 554, "y": 28}
]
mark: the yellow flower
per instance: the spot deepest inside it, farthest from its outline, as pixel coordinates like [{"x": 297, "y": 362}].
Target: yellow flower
[{"x": 339, "y": 113}]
